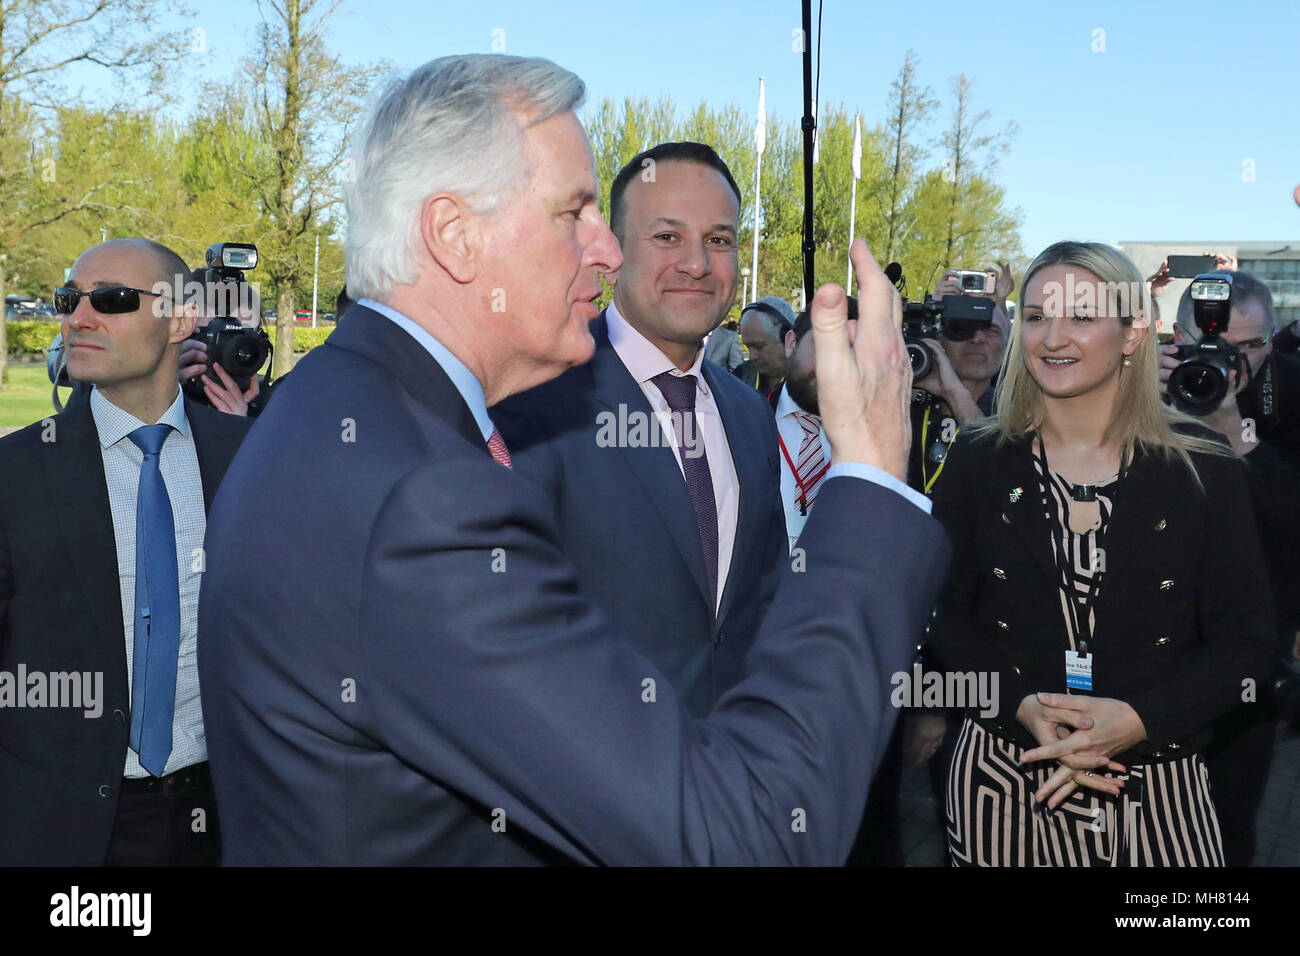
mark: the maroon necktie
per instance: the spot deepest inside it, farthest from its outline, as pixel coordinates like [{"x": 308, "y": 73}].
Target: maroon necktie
[{"x": 679, "y": 392}]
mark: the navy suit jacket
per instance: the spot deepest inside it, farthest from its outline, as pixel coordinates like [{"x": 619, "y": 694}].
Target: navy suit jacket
[
  {"x": 421, "y": 680},
  {"x": 61, "y": 611},
  {"x": 626, "y": 522}
]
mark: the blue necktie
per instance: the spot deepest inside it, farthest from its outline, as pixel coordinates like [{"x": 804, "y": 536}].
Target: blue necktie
[
  {"x": 157, "y": 609},
  {"x": 679, "y": 392}
]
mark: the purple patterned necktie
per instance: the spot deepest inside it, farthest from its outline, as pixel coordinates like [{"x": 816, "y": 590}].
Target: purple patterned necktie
[{"x": 679, "y": 391}]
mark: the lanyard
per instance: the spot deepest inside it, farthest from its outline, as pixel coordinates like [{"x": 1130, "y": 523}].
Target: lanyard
[
  {"x": 803, "y": 489},
  {"x": 928, "y": 483},
  {"x": 1080, "y": 612}
]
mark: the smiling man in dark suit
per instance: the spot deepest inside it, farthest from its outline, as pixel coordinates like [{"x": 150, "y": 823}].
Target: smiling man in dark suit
[
  {"x": 673, "y": 520},
  {"x": 101, "y": 552},
  {"x": 439, "y": 690}
]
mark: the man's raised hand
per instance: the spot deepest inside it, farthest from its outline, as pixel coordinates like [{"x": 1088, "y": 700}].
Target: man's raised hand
[{"x": 864, "y": 379}]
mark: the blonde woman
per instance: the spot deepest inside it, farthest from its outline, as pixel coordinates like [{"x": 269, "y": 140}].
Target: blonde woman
[{"x": 1107, "y": 570}]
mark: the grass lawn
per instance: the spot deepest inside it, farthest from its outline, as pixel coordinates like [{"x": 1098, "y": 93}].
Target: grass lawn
[{"x": 26, "y": 398}]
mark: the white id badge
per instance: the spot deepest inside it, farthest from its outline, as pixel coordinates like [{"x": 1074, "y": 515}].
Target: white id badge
[{"x": 1078, "y": 670}]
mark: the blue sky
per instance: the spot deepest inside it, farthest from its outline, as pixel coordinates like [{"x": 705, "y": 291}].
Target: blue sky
[{"x": 1147, "y": 140}]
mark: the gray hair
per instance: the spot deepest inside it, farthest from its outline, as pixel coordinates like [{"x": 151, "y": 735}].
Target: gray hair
[
  {"x": 1246, "y": 287},
  {"x": 448, "y": 126}
]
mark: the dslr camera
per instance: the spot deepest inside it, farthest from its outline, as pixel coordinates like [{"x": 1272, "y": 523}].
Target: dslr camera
[
  {"x": 954, "y": 317},
  {"x": 1200, "y": 382},
  {"x": 240, "y": 350}
]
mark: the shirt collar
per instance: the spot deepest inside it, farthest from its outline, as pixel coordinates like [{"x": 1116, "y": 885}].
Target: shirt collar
[
  {"x": 114, "y": 424},
  {"x": 470, "y": 388},
  {"x": 785, "y": 405},
  {"x": 642, "y": 357}
]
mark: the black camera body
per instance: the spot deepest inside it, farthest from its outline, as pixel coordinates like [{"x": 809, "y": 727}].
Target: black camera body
[
  {"x": 240, "y": 350},
  {"x": 954, "y": 317},
  {"x": 1200, "y": 382}
]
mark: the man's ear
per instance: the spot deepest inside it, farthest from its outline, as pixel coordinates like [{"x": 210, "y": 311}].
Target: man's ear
[
  {"x": 790, "y": 343},
  {"x": 183, "y": 322},
  {"x": 449, "y": 231}
]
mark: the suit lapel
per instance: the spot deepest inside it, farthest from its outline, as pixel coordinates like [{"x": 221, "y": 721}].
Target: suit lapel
[
  {"x": 74, "y": 472},
  {"x": 374, "y": 336},
  {"x": 213, "y": 446},
  {"x": 746, "y": 443},
  {"x": 655, "y": 467}
]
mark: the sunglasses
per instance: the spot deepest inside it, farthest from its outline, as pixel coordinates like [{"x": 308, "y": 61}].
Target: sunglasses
[{"x": 115, "y": 301}]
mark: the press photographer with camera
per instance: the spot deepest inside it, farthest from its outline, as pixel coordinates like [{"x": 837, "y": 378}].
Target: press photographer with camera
[
  {"x": 220, "y": 361},
  {"x": 1224, "y": 369},
  {"x": 1229, "y": 373},
  {"x": 956, "y": 339}
]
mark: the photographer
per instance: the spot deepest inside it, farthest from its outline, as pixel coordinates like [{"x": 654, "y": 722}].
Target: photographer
[
  {"x": 223, "y": 393},
  {"x": 1265, "y": 390},
  {"x": 1255, "y": 418},
  {"x": 959, "y": 388}
]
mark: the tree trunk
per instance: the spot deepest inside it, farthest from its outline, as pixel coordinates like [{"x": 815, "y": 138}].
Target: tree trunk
[{"x": 284, "y": 323}]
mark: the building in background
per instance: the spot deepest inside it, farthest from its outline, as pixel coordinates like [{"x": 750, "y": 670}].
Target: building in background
[{"x": 1275, "y": 263}]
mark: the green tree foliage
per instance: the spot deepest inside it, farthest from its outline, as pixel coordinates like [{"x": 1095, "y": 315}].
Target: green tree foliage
[{"x": 927, "y": 212}]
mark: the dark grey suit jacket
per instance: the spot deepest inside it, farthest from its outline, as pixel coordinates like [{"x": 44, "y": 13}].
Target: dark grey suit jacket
[
  {"x": 61, "y": 611},
  {"x": 422, "y": 681},
  {"x": 626, "y": 521}
]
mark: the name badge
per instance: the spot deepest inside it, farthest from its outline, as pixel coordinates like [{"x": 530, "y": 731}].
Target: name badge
[{"x": 1078, "y": 670}]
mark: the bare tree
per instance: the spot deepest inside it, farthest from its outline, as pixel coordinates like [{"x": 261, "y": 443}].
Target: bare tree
[
  {"x": 968, "y": 152},
  {"x": 910, "y": 106},
  {"x": 304, "y": 103}
]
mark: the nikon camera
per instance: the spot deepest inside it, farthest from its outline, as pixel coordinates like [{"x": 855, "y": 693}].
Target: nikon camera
[{"x": 240, "y": 350}]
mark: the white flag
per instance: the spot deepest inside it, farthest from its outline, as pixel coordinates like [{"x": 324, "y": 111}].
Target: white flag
[
  {"x": 817, "y": 137},
  {"x": 857, "y": 146},
  {"x": 760, "y": 130}
]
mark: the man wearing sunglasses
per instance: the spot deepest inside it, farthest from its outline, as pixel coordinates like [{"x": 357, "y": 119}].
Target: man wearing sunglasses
[{"x": 102, "y": 525}]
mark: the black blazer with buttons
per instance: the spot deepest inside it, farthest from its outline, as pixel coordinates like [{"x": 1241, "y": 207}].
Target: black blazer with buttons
[
  {"x": 61, "y": 611},
  {"x": 1184, "y": 612}
]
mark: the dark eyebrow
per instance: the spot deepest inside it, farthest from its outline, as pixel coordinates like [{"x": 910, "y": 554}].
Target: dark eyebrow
[{"x": 678, "y": 224}]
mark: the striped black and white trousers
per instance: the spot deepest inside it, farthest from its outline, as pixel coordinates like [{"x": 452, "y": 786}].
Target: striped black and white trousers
[{"x": 1164, "y": 816}]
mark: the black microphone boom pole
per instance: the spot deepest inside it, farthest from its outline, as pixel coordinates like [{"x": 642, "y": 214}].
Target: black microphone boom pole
[{"x": 809, "y": 129}]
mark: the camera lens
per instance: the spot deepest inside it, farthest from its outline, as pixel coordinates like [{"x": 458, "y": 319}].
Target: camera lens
[
  {"x": 921, "y": 359},
  {"x": 1197, "y": 387}
]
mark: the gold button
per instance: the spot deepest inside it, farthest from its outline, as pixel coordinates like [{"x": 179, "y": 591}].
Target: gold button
[
  {"x": 1174, "y": 747},
  {"x": 1166, "y": 585},
  {"x": 999, "y": 574},
  {"x": 1161, "y": 641},
  {"x": 1004, "y": 625},
  {"x": 1160, "y": 525}
]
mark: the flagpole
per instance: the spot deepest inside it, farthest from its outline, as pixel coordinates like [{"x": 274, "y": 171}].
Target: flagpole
[
  {"x": 853, "y": 202},
  {"x": 760, "y": 142}
]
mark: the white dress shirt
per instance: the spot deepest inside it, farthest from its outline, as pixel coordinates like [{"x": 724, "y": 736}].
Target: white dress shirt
[
  {"x": 179, "y": 464},
  {"x": 791, "y": 433},
  {"x": 644, "y": 360}
]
